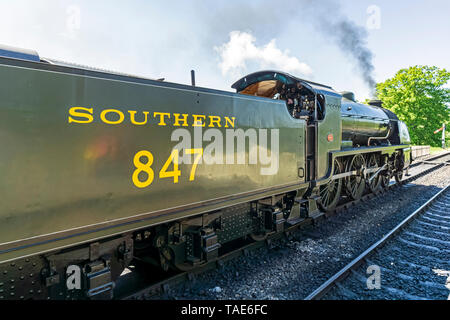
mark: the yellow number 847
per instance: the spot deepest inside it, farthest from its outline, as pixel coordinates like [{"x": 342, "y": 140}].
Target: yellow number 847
[{"x": 164, "y": 173}]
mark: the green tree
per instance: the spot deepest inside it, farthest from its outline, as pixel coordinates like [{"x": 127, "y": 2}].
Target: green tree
[{"x": 418, "y": 97}]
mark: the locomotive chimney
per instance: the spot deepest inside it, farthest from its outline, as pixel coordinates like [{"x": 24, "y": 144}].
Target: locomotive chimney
[{"x": 376, "y": 103}]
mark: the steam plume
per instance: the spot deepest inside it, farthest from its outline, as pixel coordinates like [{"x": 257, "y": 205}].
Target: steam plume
[
  {"x": 270, "y": 19},
  {"x": 242, "y": 49},
  {"x": 352, "y": 39}
]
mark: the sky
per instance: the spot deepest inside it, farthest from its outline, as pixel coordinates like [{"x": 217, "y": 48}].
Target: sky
[{"x": 223, "y": 40}]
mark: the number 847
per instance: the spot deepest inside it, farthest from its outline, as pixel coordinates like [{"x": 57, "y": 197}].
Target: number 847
[{"x": 143, "y": 161}]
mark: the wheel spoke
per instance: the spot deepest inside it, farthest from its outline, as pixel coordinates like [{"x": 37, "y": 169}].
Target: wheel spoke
[
  {"x": 330, "y": 193},
  {"x": 326, "y": 200},
  {"x": 356, "y": 184}
]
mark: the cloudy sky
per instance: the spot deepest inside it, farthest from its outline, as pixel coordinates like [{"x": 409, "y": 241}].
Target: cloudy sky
[{"x": 344, "y": 43}]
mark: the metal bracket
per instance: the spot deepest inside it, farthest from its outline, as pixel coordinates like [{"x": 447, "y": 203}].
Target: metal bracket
[
  {"x": 52, "y": 280},
  {"x": 94, "y": 251},
  {"x": 313, "y": 210},
  {"x": 210, "y": 245},
  {"x": 98, "y": 278},
  {"x": 278, "y": 221}
]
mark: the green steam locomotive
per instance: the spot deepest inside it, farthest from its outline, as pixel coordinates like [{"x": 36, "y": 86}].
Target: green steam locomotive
[{"x": 100, "y": 169}]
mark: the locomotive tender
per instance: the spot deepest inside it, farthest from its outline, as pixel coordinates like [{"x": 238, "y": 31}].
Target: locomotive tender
[{"x": 100, "y": 169}]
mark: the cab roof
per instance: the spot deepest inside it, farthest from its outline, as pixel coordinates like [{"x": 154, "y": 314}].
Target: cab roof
[{"x": 284, "y": 77}]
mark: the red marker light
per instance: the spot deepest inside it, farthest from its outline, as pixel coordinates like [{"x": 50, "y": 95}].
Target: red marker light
[{"x": 330, "y": 137}]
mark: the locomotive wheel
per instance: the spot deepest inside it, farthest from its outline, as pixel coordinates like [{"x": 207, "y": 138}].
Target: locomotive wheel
[
  {"x": 375, "y": 183},
  {"x": 330, "y": 193},
  {"x": 385, "y": 178},
  {"x": 184, "y": 266},
  {"x": 356, "y": 184},
  {"x": 261, "y": 234},
  {"x": 398, "y": 176},
  {"x": 258, "y": 236}
]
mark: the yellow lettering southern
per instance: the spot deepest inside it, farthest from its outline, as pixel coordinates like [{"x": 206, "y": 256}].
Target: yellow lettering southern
[
  {"x": 78, "y": 112},
  {"x": 214, "y": 119},
  {"x": 161, "y": 115},
  {"x": 182, "y": 119},
  {"x": 198, "y": 122},
  {"x": 230, "y": 121},
  {"x": 133, "y": 118},
  {"x": 105, "y": 112},
  {"x": 139, "y": 118}
]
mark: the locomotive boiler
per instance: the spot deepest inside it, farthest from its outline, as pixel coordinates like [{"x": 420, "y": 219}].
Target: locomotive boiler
[
  {"x": 366, "y": 125},
  {"x": 101, "y": 170}
]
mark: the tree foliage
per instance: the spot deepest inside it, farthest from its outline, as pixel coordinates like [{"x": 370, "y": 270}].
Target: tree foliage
[{"x": 418, "y": 97}]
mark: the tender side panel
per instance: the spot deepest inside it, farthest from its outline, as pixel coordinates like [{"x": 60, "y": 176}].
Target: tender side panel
[{"x": 59, "y": 175}]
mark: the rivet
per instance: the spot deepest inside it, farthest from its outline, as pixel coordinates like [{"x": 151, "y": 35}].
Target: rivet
[
  {"x": 31, "y": 274},
  {"x": 12, "y": 293},
  {"x": 12, "y": 280},
  {"x": 31, "y": 291},
  {"x": 12, "y": 287},
  {"x": 13, "y": 264},
  {"x": 22, "y": 277},
  {"x": 20, "y": 268},
  {"x": 27, "y": 260},
  {"x": 5, "y": 272},
  {"x": 1, "y": 284},
  {"x": 22, "y": 297},
  {"x": 39, "y": 291}
]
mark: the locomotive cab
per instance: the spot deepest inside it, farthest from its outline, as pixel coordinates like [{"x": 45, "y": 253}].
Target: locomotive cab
[
  {"x": 301, "y": 100},
  {"x": 316, "y": 104}
]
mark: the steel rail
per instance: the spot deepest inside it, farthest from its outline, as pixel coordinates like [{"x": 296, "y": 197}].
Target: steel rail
[
  {"x": 343, "y": 273},
  {"x": 429, "y": 158}
]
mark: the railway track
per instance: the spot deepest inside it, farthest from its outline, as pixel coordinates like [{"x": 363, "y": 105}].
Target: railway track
[
  {"x": 411, "y": 262},
  {"x": 165, "y": 285},
  {"x": 432, "y": 160}
]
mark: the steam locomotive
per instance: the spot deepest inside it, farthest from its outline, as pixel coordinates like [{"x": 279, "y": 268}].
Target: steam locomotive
[{"x": 101, "y": 170}]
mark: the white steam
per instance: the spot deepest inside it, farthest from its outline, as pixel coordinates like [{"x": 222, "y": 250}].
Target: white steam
[{"x": 241, "y": 49}]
